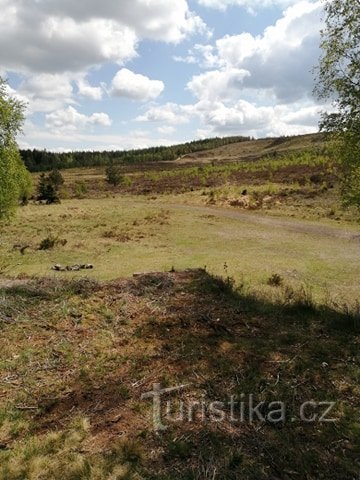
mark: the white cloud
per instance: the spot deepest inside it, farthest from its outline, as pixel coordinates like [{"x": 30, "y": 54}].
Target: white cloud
[
  {"x": 278, "y": 62},
  {"x": 65, "y": 140},
  {"x": 202, "y": 54},
  {"x": 170, "y": 113},
  {"x": 190, "y": 59},
  {"x": 218, "y": 83},
  {"x": 245, "y": 118},
  {"x": 238, "y": 117},
  {"x": 46, "y": 92},
  {"x": 86, "y": 90},
  {"x": 67, "y": 36},
  {"x": 134, "y": 86},
  {"x": 70, "y": 120}
]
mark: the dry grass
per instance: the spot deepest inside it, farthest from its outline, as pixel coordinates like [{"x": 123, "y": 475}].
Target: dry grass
[{"x": 76, "y": 356}]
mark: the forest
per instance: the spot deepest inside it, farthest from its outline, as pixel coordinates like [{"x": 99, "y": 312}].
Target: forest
[{"x": 43, "y": 160}]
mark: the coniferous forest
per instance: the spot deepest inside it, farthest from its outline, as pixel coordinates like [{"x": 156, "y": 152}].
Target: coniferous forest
[{"x": 43, "y": 160}]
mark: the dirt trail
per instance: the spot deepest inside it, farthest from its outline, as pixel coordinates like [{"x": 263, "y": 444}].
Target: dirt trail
[{"x": 298, "y": 226}]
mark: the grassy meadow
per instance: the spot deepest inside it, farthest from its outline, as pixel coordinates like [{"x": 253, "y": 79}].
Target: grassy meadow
[
  {"x": 256, "y": 292},
  {"x": 122, "y": 235}
]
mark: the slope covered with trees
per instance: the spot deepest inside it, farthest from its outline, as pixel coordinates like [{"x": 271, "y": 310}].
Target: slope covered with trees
[{"x": 42, "y": 160}]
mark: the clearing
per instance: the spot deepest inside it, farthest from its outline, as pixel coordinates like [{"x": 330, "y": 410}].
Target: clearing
[{"x": 258, "y": 303}]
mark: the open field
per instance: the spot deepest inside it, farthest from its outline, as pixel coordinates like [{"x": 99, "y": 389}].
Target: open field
[
  {"x": 259, "y": 296},
  {"x": 128, "y": 234}
]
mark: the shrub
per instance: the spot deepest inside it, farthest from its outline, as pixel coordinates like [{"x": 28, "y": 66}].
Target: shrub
[
  {"x": 47, "y": 243},
  {"x": 48, "y": 187},
  {"x": 50, "y": 242},
  {"x": 113, "y": 175},
  {"x": 80, "y": 189}
]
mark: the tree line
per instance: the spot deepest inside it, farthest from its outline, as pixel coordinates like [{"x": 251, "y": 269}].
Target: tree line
[{"x": 43, "y": 160}]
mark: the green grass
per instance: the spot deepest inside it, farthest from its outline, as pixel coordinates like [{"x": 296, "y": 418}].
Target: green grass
[{"x": 125, "y": 234}]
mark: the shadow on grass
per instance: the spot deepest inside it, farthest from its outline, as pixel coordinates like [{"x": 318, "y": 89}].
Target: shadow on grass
[
  {"x": 225, "y": 342},
  {"x": 195, "y": 329}
]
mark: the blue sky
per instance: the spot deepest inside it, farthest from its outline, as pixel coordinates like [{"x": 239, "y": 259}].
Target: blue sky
[{"x": 136, "y": 73}]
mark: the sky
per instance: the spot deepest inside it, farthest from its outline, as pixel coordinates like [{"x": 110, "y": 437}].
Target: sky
[{"x": 120, "y": 74}]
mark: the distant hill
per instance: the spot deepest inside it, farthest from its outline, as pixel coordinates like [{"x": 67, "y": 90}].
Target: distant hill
[
  {"x": 255, "y": 149},
  {"x": 199, "y": 151},
  {"x": 43, "y": 160}
]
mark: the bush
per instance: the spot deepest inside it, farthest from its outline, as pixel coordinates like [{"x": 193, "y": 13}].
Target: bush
[
  {"x": 113, "y": 175},
  {"x": 48, "y": 187},
  {"x": 50, "y": 242},
  {"x": 80, "y": 189}
]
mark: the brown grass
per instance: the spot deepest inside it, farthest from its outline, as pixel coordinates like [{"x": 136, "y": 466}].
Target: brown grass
[{"x": 73, "y": 350}]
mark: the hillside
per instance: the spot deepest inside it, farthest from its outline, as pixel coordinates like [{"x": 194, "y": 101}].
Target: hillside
[
  {"x": 227, "y": 148},
  {"x": 256, "y": 149}
]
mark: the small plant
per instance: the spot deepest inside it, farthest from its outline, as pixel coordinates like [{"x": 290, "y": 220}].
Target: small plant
[
  {"x": 50, "y": 242},
  {"x": 275, "y": 280},
  {"x": 80, "y": 189},
  {"x": 126, "y": 181},
  {"x": 129, "y": 451},
  {"x": 47, "y": 243},
  {"x": 212, "y": 197}
]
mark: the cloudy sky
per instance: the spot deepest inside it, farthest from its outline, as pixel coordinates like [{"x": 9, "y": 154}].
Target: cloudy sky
[{"x": 118, "y": 74}]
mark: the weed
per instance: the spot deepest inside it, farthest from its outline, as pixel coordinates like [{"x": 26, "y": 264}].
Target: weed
[
  {"x": 128, "y": 451},
  {"x": 275, "y": 280},
  {"x": 80, "y": 189},
  {"x": 50, "y": 242}
]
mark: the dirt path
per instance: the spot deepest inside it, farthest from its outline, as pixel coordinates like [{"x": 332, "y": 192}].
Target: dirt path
[{"x": 298, "y": 226}]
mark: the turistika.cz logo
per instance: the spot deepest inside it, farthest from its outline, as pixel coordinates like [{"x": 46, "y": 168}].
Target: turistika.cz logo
[{"x": 245, "y": 408}]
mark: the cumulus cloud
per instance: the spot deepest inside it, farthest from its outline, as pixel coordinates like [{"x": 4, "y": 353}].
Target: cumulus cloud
[
  {"x": 70, "y": 120},
  {"x": 52, "y": 36},
  {"x": 245, "y": 118},
  {"x": 155, "y": 19},
  {"x": 134, "y": 86},
  {"x": 86, "y": 90},
  {"x": 279, "y": 61},
  {"x": 45, "y": 92},
  {"x": 169, "y": 113},
  {"x": 218, "y": 83}
]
